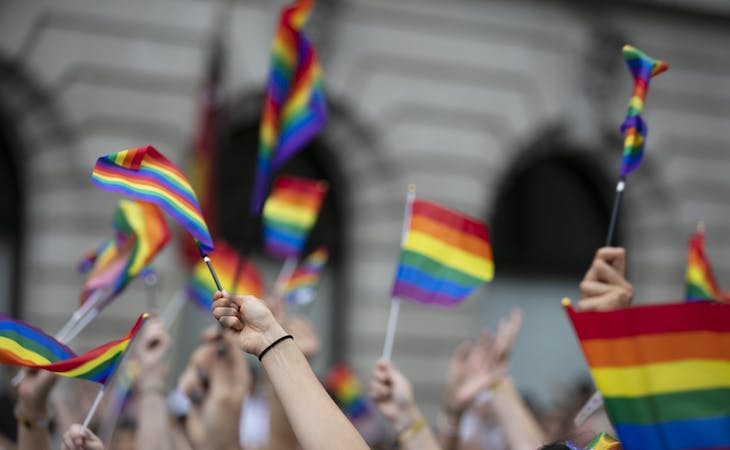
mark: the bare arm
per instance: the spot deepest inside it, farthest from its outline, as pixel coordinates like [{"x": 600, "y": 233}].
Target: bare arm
[
  {"x": 153, "y": 432},
  {"x": 316, "y": 420},
  {"x": 31, "y": 411},
  {"x": 517, "y": 422}
]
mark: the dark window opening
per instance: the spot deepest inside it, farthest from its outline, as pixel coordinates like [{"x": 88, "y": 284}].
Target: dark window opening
[
  {"x": 550, "y": 216},
  {"x": 10, "y": 220}
]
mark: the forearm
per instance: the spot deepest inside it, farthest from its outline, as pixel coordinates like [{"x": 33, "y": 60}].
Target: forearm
[
  {"x": 153, "y": 432},
  {"x": 281, "y": 434},
  {"x": 518, "y": 424},
  {"x": 32, "y": 434},
  {"x": 307, "y": 405},
  {"x": 221, "y": 428},
  {"x": 418, "y": 435},
  {"x": 448, "y": 430}
]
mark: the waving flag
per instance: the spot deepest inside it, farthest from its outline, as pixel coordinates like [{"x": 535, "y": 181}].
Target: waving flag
[
  {"x": 344, "y": 386},
  {"x": 445, "y": 256},
  {"x": 294, "y": 107},
  {"x": 141, "y": 232},
  {"x": 302, "y": 284},
  {"x": 27, "y": 346},
  {"x": 700, "y": 281},
  {"x": 145, "y": 174},
  {"x": 201, "y": 287},
  {"x": 663, "y": 371},
  {"x": 290, "y": 213},
  {"x": 643, "y": 68}
]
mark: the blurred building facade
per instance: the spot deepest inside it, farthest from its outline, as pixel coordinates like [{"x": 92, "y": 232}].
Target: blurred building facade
[{"x": 505, "y": 110}]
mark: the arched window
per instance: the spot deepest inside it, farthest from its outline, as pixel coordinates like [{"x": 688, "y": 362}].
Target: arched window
[{"x": 550, "y": 216}]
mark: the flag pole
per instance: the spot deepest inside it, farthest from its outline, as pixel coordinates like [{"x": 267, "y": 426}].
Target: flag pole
[
  {"x": 150, "y": 282},
  {"x": 614, "y": 212},
  {"x": 287, "y": 269},
  {"x": 95, "y": 405},
  {"x": 206, "y": 260},
  {"x": 395, "y": 301}
]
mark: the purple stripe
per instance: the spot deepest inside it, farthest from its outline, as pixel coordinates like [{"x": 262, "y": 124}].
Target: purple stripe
[{"x": 402, "y": 289}]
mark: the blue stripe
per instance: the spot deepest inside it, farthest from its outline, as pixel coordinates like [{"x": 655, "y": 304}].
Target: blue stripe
[
  {"x": 677, "y": 435},
  {"x": 281, "y": 237},
  {"x": 33, "y": 334},
  {"x": 428, "y": 282}
]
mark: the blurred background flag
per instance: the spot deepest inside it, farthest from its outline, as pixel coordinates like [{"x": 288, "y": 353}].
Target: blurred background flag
[
  {"x": 445, "y": 256},
  {"x": 700, "y": 279},
  {"x": 301, "y": 287},
  {"x": 290, "y": 213},
  {"x": 294, "y": 108}
]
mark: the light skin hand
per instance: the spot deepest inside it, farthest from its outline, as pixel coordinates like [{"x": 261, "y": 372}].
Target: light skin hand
[
  {"x": 33, "y": 393},
  {"x": 249, "y": 316},
  {"x": 153, "y": 352},
  {"x": 604, "y": 286},
  {"x": 392, "y": 394},
  {"x": 77, "y": 439}
]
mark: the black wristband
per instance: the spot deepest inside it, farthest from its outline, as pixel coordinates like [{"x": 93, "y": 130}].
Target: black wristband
[{"x": 273, "y": 344}]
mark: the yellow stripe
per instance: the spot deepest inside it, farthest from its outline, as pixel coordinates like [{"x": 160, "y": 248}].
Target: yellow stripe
[
  {"x": 697, "y": 276},
  {"x": 10, "y": 346},
  {"x": 89, "y": 365},
  {"x": 636, "y": 103},
  {"x": 449, "y": 255},
  {"x": 660, "y": 378},
  {"x": 289, "y": 213},
  {"x": 166, "y": 171}
]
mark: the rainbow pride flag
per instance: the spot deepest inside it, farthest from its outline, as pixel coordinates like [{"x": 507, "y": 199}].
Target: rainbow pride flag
[
  {"x": 663, "y": 371},
  {"x": 643, "y": 68},
  {"x": 294, "y": 108},
  {"x": 201, "y": 287},
  {"x": 301, "y": 287},
  {"x": 445, "y": 256},
  {"x": 140, "y": 233},
  {"x": 345, "y": 388},
  {"x": 145, "y": 174},
  {"x": 290, "y": 213},
  {"x": 700, "y": 280},
  {"x": 27, "y": 346}
]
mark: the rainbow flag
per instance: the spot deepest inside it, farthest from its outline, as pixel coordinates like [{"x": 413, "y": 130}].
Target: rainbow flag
[
  {"x": 344, "y": 387},
  {"x": 290, "y": 213},
  {"x": 642, "y": 68},
  {"x": 145, "y": 174},
  {"x": 141, "y": 232},
  {"x": 445, "y": 256},
  {"x": 294, "y": 106},
  {"x": 701, "y": 283},
  {"x": 301, "y": 287},
  {"x": 201, "y": 287},
  {"x": 27, "y": 346},
  {"x": 663, "y": 371}
]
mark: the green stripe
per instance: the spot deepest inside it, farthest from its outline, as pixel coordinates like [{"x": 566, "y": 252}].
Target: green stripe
[
  {"x": 30, "y": 344},
  {"x": 669, "y": 407},
  {"x": 694, "y": 291},
  {"x": 285, "y": 227},
  {"x": 435, "y": 268},
  {"x": 100, "y": 368}
]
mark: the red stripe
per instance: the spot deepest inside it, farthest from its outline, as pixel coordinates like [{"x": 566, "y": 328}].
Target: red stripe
[
  {"x": 303, "y": 185},
  {"x": 651, "y": 319},
  {"x": 452, "y": 219}
]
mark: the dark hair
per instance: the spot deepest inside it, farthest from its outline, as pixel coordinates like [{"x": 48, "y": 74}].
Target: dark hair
[{"x": 554, "y": 447}]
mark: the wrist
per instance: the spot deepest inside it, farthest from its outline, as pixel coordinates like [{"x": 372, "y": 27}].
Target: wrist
[
  {"x": 406, "y": 417},
  {"x": 30, "y": 411},
  {"x": 271, "y": 335}
]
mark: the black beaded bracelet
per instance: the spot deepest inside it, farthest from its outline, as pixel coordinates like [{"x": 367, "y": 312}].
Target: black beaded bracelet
[{"x": 273, "y": 344}]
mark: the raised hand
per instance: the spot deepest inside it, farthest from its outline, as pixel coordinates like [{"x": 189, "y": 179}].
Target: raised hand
[
  {"x": 392, "y": 394},
  {"x": 250, "y": 317},
  {"x": 604, "y": 286},
  {"x": 77, "y": 438}
]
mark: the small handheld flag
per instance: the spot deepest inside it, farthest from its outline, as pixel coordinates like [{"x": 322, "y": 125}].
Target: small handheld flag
[
  {"x": 200, "y": 287},
  {"x": 344, "y": 386},
  {"x": 663, "y": 371},
  {"x": 445, "y": 256},
  {"x": 700, "y": 280},
  {"x": 290, "y": 213},
  {"x": 294, "y": 107},
  {"x": 27, "y": 346},
  {"x": 301, "y": 286},
  {"x": 643, "y": 68}
]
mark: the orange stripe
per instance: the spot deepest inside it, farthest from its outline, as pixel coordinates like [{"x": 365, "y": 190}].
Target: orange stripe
[
  {"x": 451, "y": 236},
  {"x": 655, "y": 348},
  {"x": 304, "y": 200}
]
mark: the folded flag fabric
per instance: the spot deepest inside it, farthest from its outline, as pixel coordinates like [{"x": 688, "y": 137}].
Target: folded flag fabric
[
  {"x": 27, "y": 346},
  {"x": 301, "y": 287},
  {"x": 700, "y": 280},
  {"x": 141, "y": 232},
  {"x": 345, "y": 388},
  {"x": 663, "y": 372},
  {"x": 201, "y": 286},
  {"x": 145, "y": 174},
  {"x": 290, "y": 213},
  {"x": 294, "y": 108},
  {"x": 643, "y": 68},
  {"x": 445, "y": 256}
]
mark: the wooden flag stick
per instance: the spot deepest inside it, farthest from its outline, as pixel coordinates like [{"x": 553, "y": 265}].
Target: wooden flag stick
[
  {"x": 614, "y": 212},
  {"x": 395, "y": 302}
]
